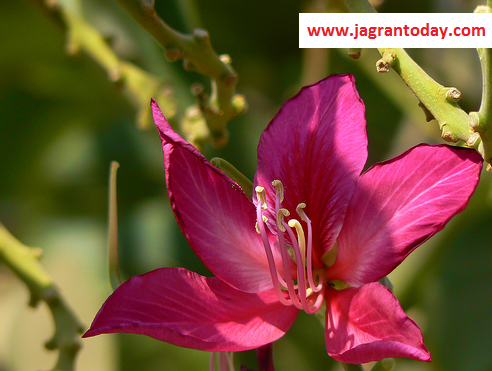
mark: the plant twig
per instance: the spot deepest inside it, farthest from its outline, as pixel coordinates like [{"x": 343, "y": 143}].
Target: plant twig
[
  {"x": 24, "y": 262},
  {"x": 198, "y": 55},
  {"x": 138, "y": 85},
  {"x": 438, "y": 102},
  {"x": 481, "y": 121}
]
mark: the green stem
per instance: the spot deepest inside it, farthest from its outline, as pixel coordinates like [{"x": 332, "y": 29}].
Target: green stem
[
  {"x": 138, "y": 85},
  {"x": 482, "y": 122},
  {"x": 198, "y": 55},
  {"x": 24, "y": 262},
  {"x": 440, "y": 101},
  {"x": 114, "y": 266}
]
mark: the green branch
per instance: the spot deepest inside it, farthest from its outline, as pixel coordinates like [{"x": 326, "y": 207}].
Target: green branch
[
  {"x": 138, "y": 85},
  {"x": 437, "y": 101},
  {"x": 481, "y": 121},
  {"x": 198, "y": 55},
  {"x": 24, "y": 262}
]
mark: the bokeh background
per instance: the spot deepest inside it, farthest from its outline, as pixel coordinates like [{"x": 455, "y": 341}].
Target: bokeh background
[{"x": 62, "y": 122}]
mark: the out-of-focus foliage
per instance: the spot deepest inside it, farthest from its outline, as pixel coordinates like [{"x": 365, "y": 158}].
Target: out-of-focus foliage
[{"x": 62, "y": 123}]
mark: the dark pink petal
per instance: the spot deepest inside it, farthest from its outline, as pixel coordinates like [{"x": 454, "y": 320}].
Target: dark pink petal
[
  {"x": 367, "y": 324},
  {"x": 399, "y": 204},
  {"x": 214, "y": 214},
  {"x": 316, "y": 146},
  {"x": 189, "y": 310}
]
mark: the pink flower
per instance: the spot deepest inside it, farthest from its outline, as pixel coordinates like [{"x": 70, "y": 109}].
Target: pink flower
[{"x": 324, "y": 234}]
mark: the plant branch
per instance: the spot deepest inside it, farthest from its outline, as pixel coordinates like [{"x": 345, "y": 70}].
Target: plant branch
[
  {"x": 198, "y": 55},
  {"x": 481, "y": 121},
  {"x": 138, "y": 85},
  {"x": 24, "y": 262},
  {"x": 437, "y": 101}
]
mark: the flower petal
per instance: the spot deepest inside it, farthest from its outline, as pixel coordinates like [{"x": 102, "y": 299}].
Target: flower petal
[
  {"x": 189, "y": 310},
  {"x": 368, "y": 324},
  {"x": 399, "y": 204},
  {"x": 316, "y": 146},
  {"x": 215, "y": 215}
]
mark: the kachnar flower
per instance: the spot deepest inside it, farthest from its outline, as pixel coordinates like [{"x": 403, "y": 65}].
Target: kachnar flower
[{"x": 315, "y": 233}]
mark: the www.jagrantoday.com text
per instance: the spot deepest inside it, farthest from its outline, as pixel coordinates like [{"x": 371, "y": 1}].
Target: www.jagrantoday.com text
[{"x": 395, "y": 31}]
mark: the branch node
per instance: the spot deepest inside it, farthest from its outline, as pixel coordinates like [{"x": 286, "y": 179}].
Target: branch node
[
  {"x": 147, "y": 7},
  {"x": 387, "y": 61},
  {"x": 174, "y": 54},
  {"x": 225, "y": 58},
  {"x": 474, "y": 122},
  {"x": 453, "y": 95},
  {"x": 449, "y": 136},
  {"x": 473, "y": 140},
  {"x": 201, "y": 35}
]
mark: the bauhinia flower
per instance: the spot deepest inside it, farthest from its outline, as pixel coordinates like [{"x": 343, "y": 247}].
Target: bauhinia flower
[{"x": 316, "y": 232}]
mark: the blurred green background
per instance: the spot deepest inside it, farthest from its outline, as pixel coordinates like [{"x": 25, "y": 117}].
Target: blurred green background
[{"x": 62, "y": 122}]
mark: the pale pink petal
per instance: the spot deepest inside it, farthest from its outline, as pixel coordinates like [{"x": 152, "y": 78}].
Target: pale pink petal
[
  {"x": 400, "y": 203},
  {"x": 368, "y": 324},
  {"x": 214, "y": 214},
  {"x": 189, "y": 310},
  {"x": 316, "y": 146}
]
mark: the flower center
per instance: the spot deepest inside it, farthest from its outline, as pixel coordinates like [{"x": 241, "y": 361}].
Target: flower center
[{"x": 295, "y": 287}]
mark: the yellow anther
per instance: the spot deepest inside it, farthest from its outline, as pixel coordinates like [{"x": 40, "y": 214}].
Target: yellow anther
[
  {"x": 280, "y": 218},
  {"x": 261, "y": 196},
  {"x": 301, "y": 240},
  {"x": 279, "y": 189},
  {"x": 265, "y": 219},
  {"x": 300, "y": 211}
]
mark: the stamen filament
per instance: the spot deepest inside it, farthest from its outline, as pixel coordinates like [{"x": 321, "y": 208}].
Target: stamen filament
[
  {"x": 309, "y": 251},
  {"x": 299, "y": 294},
  {"x": 271, "y": 260},
  {"x": 286, "y": 261},
  {"x": 301, "y": 280}
]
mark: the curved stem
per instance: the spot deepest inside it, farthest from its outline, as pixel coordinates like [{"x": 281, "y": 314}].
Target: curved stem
[
  {"x": 138, "y": 85},
  {"x": 198, "y": 55},
  {"x": 24, "y": 262},
  {"x": 482, "y": 123}
]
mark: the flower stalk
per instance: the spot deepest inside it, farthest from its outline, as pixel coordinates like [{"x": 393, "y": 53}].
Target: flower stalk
[{"x": 24, "y": 262}]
